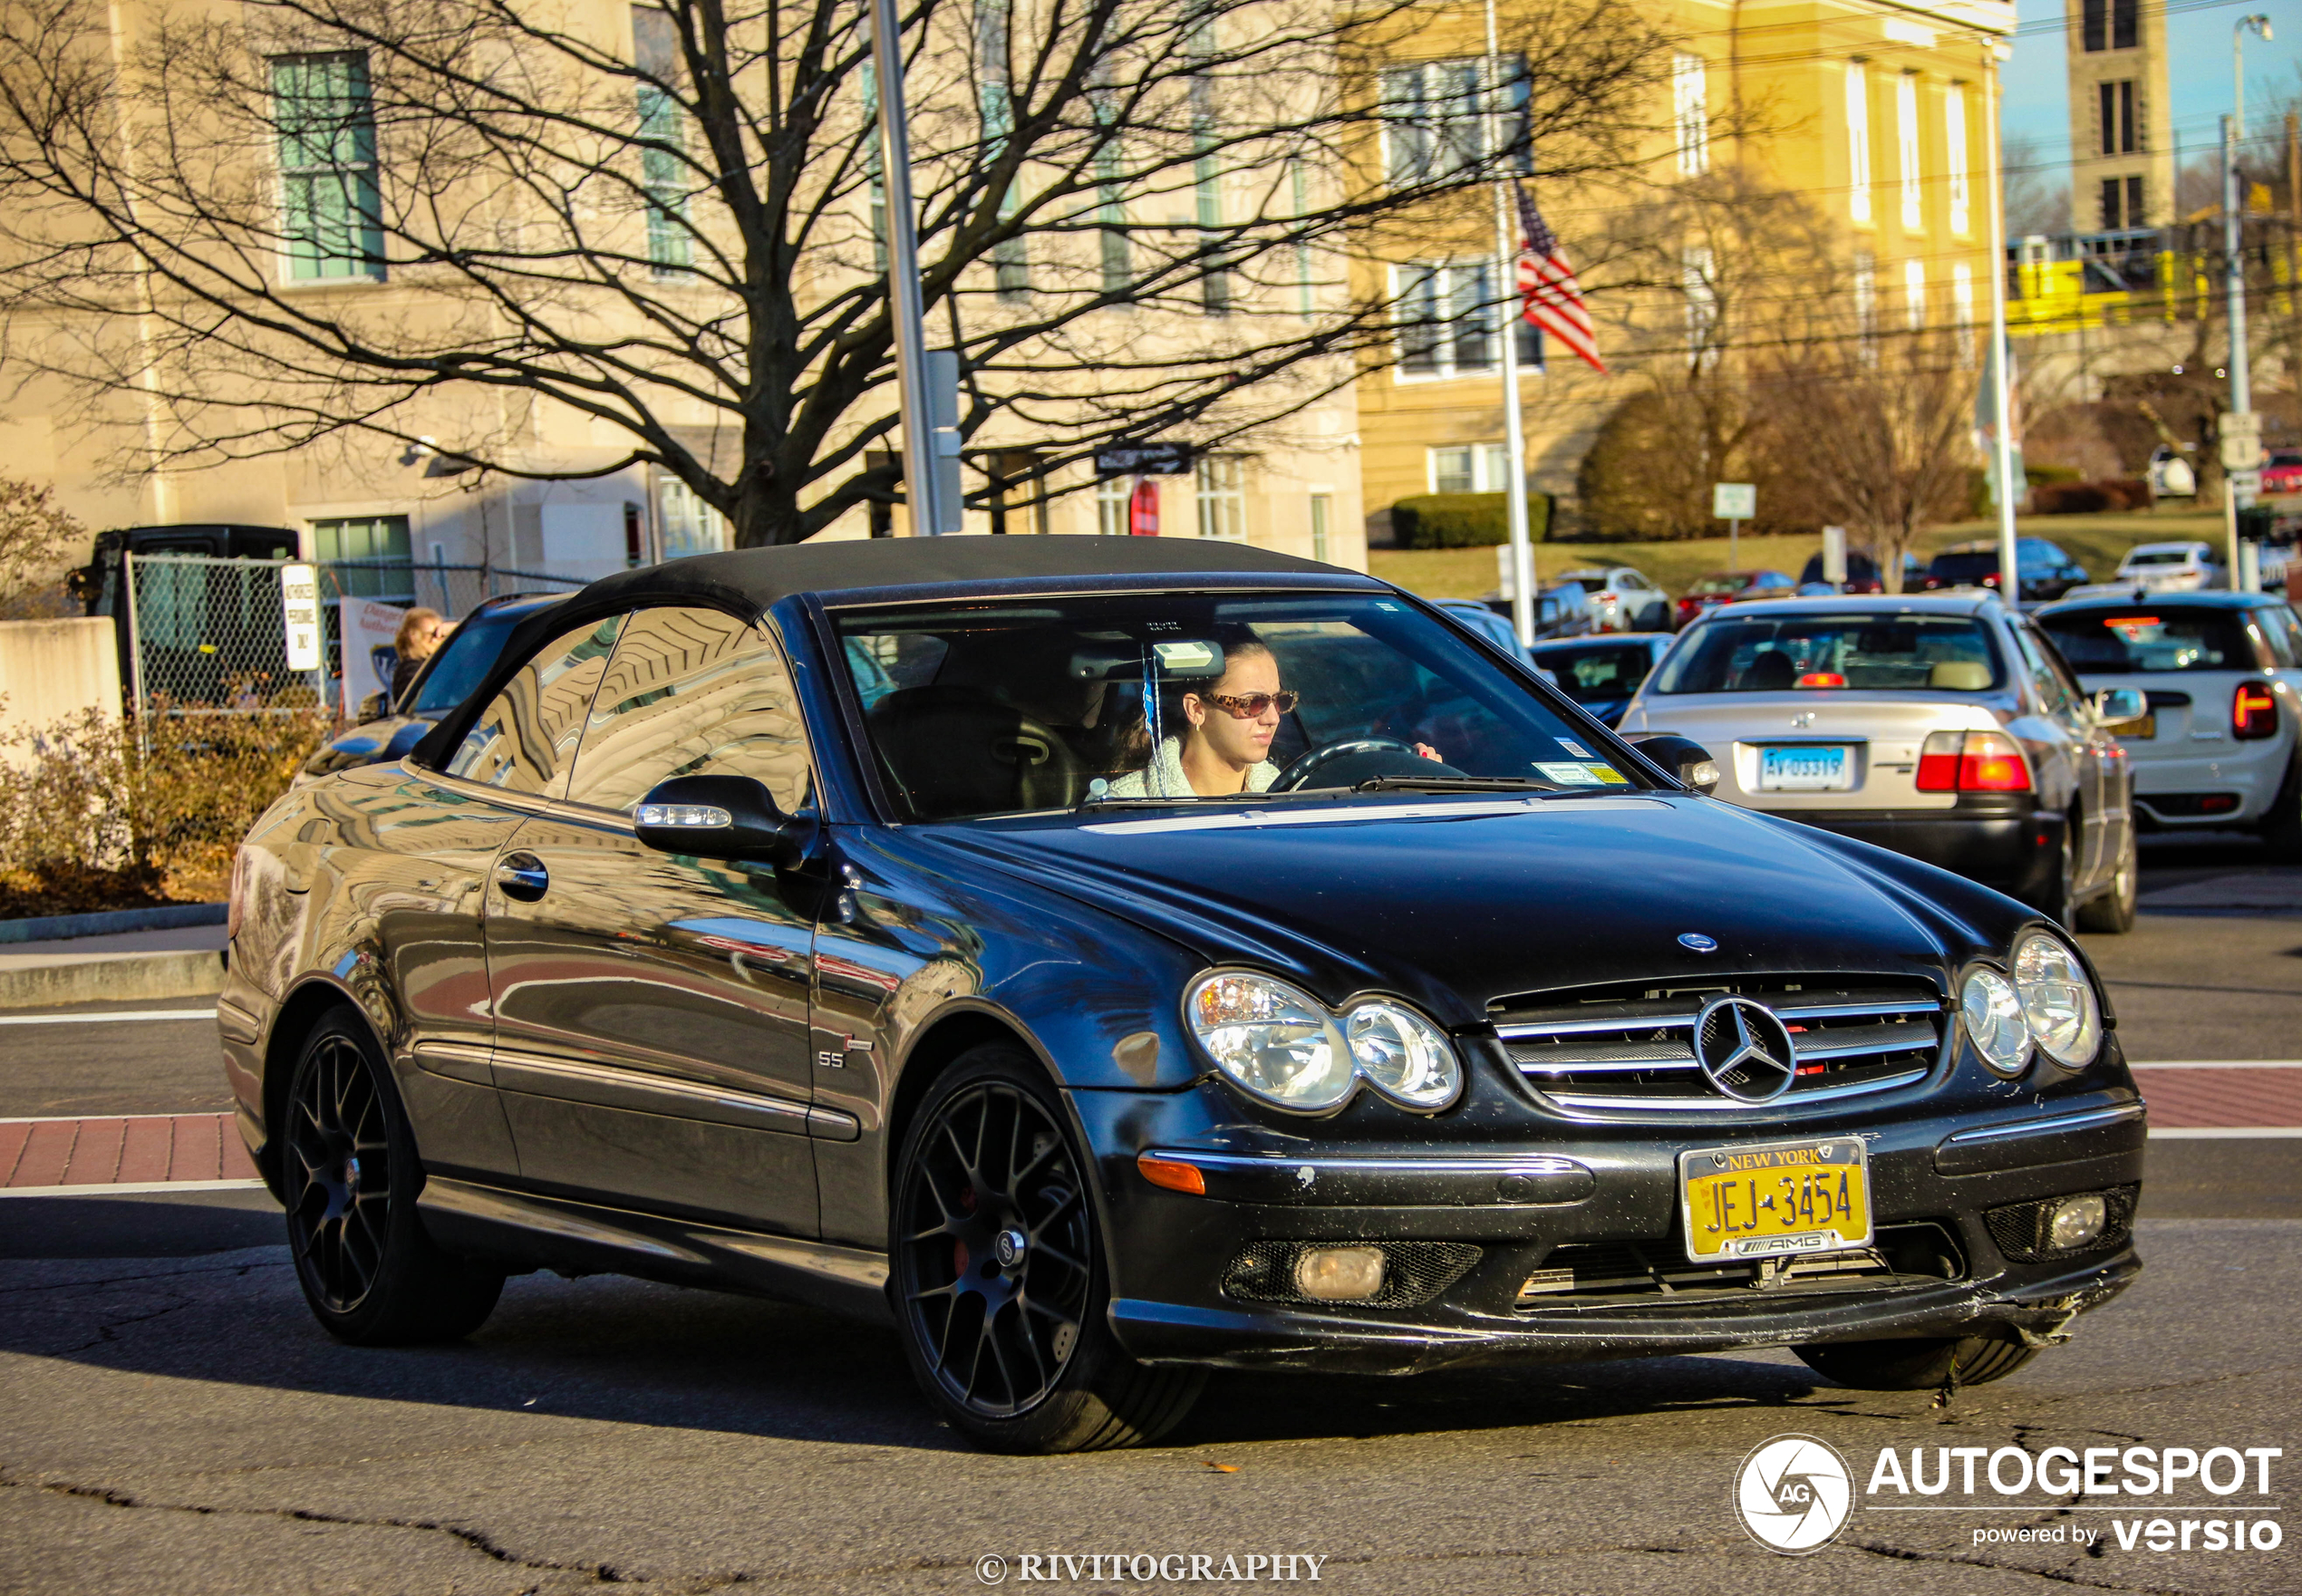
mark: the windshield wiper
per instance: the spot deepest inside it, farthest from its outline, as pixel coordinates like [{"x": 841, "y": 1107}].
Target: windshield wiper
[{"x": 1460, "y": 784}]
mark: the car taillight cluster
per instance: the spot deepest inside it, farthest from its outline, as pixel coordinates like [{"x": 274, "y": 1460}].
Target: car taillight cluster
[
  {"x": 2254, "y": 711},
  {"x": 1972, "y": 761}
]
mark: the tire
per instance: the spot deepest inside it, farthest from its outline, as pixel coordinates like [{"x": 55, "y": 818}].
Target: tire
[
  {"x": 2053, "y": 899},
  {"x": 2111, "y": 913},
  {"x": 1925, "y": 1364},
  {"x": 349, "y": 1175},
  {"x": 1018, "y": 1355},
  {"x": 2282, "y": 829}
]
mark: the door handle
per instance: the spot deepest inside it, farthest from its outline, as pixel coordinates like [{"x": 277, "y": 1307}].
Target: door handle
[{"x": 522, "y": 877}]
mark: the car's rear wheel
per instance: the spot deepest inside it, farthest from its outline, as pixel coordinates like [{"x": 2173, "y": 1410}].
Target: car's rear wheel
[
  {"x": 2053, "y": 898},
  {"x": 998, "y": 1279},
  {"x": 1919, "y": 1363},
  {"x": 2113, "y": 911},
  {"x": 349, "y": 1175},
  {"x": 2282, "y": 829}
]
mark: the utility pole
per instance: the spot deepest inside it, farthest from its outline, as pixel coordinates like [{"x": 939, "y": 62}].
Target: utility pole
[
  {"x": 2001, "y": 386},
  {"x": 2242, "y": 386},
  {"x": 1507, "y": 325},
  {"x": 924, "y": 482}
]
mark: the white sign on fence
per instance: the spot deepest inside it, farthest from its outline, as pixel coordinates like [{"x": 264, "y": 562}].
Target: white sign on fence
[{"x": 300, "y": 615}]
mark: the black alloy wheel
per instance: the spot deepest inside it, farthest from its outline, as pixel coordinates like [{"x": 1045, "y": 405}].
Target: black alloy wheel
[
  {"x": 998, "y": 1278},
  {"x": 350, "y": 1175}
]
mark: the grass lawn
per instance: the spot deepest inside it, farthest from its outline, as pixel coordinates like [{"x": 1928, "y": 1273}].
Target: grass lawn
[{"x": 2097, "y": 542}]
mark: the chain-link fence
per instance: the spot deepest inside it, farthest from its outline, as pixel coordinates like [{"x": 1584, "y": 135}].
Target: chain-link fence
[{"x": 203, "y": 633}]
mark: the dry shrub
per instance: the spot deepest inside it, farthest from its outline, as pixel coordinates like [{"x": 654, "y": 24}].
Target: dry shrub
[{"x": 94, "y": 816}]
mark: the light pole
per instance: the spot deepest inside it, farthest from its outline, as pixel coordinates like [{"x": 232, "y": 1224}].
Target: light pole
[
  {"x": 1514, "y": 474},
  {"x": 2234, "y": 265},
  {"x": 923, "y": 482}
]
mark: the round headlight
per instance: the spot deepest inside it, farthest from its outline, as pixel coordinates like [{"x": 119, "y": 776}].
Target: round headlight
[
  {"x": 2058, "y": 1000},
  {"x": 1406, "y": 1057},
  {"x": 1272, "y": 1040},
  {"x": 1992, "y": 1016}
]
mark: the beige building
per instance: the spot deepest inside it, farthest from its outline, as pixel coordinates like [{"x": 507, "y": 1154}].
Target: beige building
[{"x": 2122, "y": 146}]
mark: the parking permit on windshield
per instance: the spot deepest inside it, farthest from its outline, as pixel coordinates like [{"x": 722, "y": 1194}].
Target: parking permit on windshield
[{"x": 1581, "y": 775}]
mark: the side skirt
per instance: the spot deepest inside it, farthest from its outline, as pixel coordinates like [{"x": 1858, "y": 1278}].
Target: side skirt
[{"x": 528, "y": 1231}]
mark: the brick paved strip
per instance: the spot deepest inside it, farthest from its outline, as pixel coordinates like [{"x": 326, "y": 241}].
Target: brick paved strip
[
  {"x": 139, "y": 1150},
  {"x": 2205, "y": 1098}
]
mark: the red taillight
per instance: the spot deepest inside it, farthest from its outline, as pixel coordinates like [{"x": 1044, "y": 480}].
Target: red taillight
[
  {"x": 1822, "y": 679},
  {"x": 1972, "y": 761},
  {"x": 2254, "y": 711}
]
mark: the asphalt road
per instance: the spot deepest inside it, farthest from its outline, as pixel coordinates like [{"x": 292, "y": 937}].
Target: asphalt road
[{"x": 171, "y": 1419}]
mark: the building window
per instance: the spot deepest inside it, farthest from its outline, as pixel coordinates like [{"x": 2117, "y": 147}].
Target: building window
[
  {"x": 1698, "y": 276},
  {"x": 662, "y": 142},
  {"x": 1112, "y": 496},
  {"x": 1690, "y": 114},
  {"x": 1954, "y": 154},
  {"x": 1223, "y": 498},
  {"x": 2092, "y": 31},
  {"x": 689, "y": 526},
  {"x": 1111, "y": 209},
  {"x": 1914, "y": 295},
  {"x": 2125, "y": 23},
  {"x": 331, "y": 203},
  {"x": 1469, "y": 468},
  {"x": 1866, "y": 304},
  {"x": 1011, "y": 257},
  {"x": 2119, "y": 135},
  {"x": 385, "y": 568},
  {"x": 1446, "y": 317},
  {"x": 1962, "y": 309},
  {"x": 1299, "y": 195},
  {"x": 1206, "y": 184},
  {"x": 1322, "y": 510},
  {"x": 1438, "y": 125},
  {"x": 875, "y": 181},
  {"x": 2122, "y": 204},
  {"x": 1858, "y": 140},
  {"x": 1906, "y": 129}
]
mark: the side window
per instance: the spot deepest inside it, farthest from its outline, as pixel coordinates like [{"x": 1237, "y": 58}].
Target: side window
[
  {"x": 691, "y": 692},
  {"x": 523, "y": 739},
  {"x": 2056, "y": 691},
  {"x": 2282, "y": 632}
]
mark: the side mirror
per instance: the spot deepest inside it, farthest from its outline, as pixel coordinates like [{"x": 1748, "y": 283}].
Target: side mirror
[
  {"x": 719, "y": 817},
  {"x": 2114, "y": 706},
  {"x": 372, "y": 707},
  {"x": 1683, "y": 757}
]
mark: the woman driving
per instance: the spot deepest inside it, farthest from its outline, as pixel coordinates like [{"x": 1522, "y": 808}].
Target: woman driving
[{"x": 1223, "y": 748}]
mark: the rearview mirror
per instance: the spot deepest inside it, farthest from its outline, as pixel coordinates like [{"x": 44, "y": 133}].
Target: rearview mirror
[
  {"x": 372, "y": 707},
  {"x": 719, "y": 817},
  {"x": 2116, "y": 705},
  {"x": 1683, "y": 757}
]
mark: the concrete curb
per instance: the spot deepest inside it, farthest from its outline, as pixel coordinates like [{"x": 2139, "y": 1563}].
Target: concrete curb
[
  {"x": 96, "y": 978},
  {"x": 56, "y": 927}
]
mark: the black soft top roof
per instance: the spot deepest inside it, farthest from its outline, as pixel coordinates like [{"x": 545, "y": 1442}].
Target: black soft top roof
[{"x": 746, "y": 582}]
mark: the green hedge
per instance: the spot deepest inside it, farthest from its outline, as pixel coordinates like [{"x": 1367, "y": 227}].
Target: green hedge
[{"x": 1464, "y": 520}]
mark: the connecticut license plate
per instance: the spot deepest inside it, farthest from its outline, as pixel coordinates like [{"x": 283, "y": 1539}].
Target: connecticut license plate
[
  {"x": 1773, "y": 1199},
  {"x": 2136, "y": 730},
  {"x": 1805, "y": 769}
]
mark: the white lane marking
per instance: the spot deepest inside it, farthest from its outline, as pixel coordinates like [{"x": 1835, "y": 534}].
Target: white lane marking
[
  {"x": 131, "y": 1014},
  {"x": 89, "y": 1118},
  {"x": 2220, "y": 1064},
  {"x": 133, "y": 1188},
  {"x": 2197, "y": 1133}
]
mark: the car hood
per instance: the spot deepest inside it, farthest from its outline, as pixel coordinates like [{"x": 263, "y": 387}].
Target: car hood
[{"x": 1455, "y": 904}]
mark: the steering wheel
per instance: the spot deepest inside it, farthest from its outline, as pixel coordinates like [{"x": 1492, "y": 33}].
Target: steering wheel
[{"x": 1304, "y": 766}]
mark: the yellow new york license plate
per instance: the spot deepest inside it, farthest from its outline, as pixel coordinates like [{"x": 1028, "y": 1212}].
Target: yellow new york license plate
[{"x": 1775, "y": 1199}]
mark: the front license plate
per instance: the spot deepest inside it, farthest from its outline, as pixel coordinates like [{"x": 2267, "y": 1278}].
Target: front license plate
[
  {"x": 1805, "y": 769},
  {"x": 1775, "y": 1199}
]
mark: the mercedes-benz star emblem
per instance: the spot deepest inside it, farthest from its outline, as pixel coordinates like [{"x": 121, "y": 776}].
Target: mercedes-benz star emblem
[
  {"x": 1697, "y": 941},
  {"x": 1744, "y": 1049}
]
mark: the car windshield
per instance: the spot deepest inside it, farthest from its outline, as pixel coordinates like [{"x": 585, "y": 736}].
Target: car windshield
[
  {"x": 1770, "y": 653},
  {"x": 465, "y": 660},
  {"x": 2157, "y": 556},
  {"x": 1723, "y": 582},
  {"x": 2161, "y": 638},
  {"x": 1589, "y": 583},
  {"x": 1598, "y": 673},
  {"x": 1179, "y": 698}
]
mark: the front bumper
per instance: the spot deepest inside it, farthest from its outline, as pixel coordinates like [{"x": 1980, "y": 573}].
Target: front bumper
[{"x": 1507, "y": 1208}]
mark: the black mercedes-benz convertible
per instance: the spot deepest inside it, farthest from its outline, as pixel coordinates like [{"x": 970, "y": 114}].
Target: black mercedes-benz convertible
[{"x": 1112, "y": 958}]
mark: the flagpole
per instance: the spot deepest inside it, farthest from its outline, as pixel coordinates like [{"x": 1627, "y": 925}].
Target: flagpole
[{"x": 1507, "y": 331}]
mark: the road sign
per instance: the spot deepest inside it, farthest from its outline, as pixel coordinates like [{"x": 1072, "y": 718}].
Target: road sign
[
  {"x": 1834, "y": 555},
  {"x": 1144, "y": 459},
  {"x": 2242, "y": 436},
  {"x": 2248, "y": 483},
  {"x": 300, "y": 615},
  {"x": 1733, "y": 501}
]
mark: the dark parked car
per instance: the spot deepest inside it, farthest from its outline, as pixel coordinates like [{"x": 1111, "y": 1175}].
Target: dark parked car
[
  {"x": 1602, "y": 674},
  {"x": 1719, "y": 587},
  {"x": 2048, "y": 573},
  {"x": 1862, "y": 574},
  {"x": 182, "y": 616},
  {"x": 443, "y": 681},
  {"x": 1192, "y": 956}
]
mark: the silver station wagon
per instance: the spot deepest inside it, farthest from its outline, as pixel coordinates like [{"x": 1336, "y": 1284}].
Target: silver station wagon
[{"x": 1948, "y": 728}]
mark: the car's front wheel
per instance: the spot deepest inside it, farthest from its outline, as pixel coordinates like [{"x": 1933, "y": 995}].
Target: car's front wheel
[
  {"x": 349, "y": 1174},
  {"x": 999, "y": 1279},
  {"x": 2113, "y": 911},
  {"x": 1917, "y": 1363}
]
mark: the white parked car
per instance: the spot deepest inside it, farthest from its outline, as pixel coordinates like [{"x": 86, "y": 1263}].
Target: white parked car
[
  {"x": 2171, "y": 476},
  {"x": 1623, "y": 599},
  {"x": 1944, "y": 727},
  {"x": 2220, "y": 743},
  {"x": 2170, "y": 567}
]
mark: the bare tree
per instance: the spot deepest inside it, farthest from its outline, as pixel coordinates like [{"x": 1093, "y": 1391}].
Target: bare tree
[
  {"x": 665, "y": 221},
  {"x": 2037, "y": 194},
  {"x": 35, "y": 536}
]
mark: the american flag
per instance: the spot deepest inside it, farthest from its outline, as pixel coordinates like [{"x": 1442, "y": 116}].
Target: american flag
[{"x": 1553, "y": 298}]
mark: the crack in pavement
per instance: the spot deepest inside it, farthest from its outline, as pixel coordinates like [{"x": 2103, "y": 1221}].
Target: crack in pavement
[{"x": 2052, "y": 1575}]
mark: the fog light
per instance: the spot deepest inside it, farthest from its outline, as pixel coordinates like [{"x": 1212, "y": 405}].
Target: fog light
[
  {"x": 1340, "y": 1274},
  {"x": 2077, "y": 1221}
]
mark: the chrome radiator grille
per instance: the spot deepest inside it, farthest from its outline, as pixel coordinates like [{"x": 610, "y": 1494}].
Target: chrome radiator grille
[{"x": 1630, "y": 1046}]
